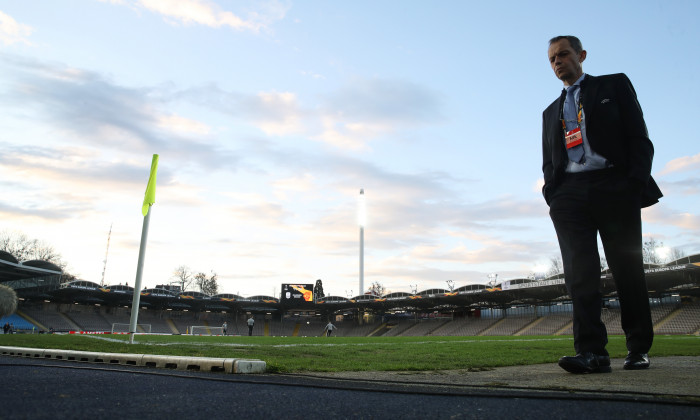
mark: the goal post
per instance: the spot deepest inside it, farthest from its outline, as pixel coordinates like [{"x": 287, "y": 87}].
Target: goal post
[
  {"x": 206, "y": 330},
  {"x": 118, "y": 328}
]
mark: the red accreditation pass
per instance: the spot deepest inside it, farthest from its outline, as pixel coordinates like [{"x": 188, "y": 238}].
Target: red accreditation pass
[{"x": 573, "y": 138}]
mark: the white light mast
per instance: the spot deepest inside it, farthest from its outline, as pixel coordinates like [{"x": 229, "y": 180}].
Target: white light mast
[{"x": 361, "y": 220}]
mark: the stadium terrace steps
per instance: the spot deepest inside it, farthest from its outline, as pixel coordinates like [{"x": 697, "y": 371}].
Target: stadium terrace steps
[
  {"x": 529, "y": 326},
  {"x": 508, "y": 326},
  {"x": 380, "y": 330},
  {"x": 437, "y": 330},
  {"x": 547, "y": 325},
  {"x": 50, "y": 319},
  {"x": 423, "y": 328},
  {"x": 31, "y": 320},
  {"x": 684, "y": 320},
  {"x": 171, "y": 325},
  {"x": 668, "y": 319},
  {"x": 398, "y": 329},
  {"x": 492, "y": 327},
  {"x": 73, "y": 325}
]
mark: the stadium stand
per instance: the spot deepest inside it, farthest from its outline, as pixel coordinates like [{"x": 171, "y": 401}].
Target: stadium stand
[
  {"x": 350, "y": 329},
  {"x": 89, "y": 321},
  {"x": 513, "y": 307},
  {"x": 679, "y": 318},
  {"x": 398, "y": 328},
  {"x": 508, "y": 325},
  {"x": 685, "y": 319},
  {"x": 470, "y": 326},
  {"x": 162, "y": 322},
  {"x": 17, "y": 322},
  {"x": 424, "y": 327},
  {"x": 47, "y": 317},
  {"x": 546, "y": 325}
]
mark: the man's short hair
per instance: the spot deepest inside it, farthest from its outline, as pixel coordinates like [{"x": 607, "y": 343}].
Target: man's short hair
[{"x": 573, "y": 41}]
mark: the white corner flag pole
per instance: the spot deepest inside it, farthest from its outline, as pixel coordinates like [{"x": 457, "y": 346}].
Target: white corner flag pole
[{"x": 148, "y": 202}]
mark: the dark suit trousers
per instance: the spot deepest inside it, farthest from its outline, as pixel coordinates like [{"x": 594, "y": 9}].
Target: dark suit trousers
[{"x": 583, "y": 206}]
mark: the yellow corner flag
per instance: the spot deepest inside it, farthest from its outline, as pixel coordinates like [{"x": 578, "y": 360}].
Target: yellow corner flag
[{"x": 150, "y": 197}]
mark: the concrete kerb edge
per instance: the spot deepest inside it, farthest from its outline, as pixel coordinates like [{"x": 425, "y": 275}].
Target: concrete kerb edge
[{"x": 210, "y": 364}]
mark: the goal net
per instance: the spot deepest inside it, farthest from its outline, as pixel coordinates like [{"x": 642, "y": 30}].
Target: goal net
[
  {"x": 118, "y": 328},
  {"x": 205, "y": 330}
]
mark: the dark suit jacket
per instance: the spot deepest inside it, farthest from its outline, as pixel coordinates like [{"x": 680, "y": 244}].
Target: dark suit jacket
[{"x": 615, "y": 129}]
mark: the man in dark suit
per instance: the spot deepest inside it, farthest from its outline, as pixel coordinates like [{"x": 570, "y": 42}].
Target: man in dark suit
[{"x": 597, "y": 163}]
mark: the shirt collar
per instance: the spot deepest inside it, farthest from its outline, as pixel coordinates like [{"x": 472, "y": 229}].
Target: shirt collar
[{"x": 577, "y": 82}]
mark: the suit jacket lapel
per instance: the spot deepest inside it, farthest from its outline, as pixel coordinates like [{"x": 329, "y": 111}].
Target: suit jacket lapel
[
  {"x": 589, "y": 89},
  {"x": 559, "y": 152}
]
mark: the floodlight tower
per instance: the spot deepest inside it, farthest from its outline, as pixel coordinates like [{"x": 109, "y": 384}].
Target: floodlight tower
[
  {"x": 104, "y": 267},
  {"x": 361, "y": 219},
  {"x": 493, "y": 278}
]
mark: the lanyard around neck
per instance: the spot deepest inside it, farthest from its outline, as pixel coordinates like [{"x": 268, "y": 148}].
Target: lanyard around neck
[{"x": 579, "y": 114}]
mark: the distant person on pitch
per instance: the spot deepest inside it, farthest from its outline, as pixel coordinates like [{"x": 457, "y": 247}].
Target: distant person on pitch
[
  {"x": 596, "y": 160},
  {"x": 224, "y": 327},
  {"x": 251, "y": 322},
  {"x": 329, "y": 329}
]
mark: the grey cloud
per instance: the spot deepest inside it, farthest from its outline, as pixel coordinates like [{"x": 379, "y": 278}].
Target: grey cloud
[
  {"x": 411, "y": 203},
  {"x": 99, "y": 112},
  {"x": 81, "y": 168},
  {"x": 376, "y": 101},
  {"x": 385, "y": 101},
  {"x": 239, "y": 105},
  {"x": 53, "y": 213},
  {"x": 687, "y": 186}
]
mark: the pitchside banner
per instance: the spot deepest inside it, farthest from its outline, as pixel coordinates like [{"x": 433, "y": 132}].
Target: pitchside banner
[{"x": 297, "y": 293}]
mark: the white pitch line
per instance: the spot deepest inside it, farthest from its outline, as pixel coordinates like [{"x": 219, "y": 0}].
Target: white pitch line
[
  {"x": 324, "y": 344},
  {"x": 470, "y": 341}
]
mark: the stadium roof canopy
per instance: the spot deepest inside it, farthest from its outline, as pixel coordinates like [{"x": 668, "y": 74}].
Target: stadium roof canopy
[
  {"x": 679, "y": 277},
  {"x": 17, "y": 273}
]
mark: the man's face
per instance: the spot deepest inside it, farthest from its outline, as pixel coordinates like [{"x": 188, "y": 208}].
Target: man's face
[{"x": 565, "y": 62}]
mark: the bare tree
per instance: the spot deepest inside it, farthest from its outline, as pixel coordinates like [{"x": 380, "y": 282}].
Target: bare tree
[
  {"x": 376, "y": 289},
  {"x": 676, "y": 254},
  {"x": 649, "y": 251},
  {"x": 556, "y": 266},
  {"x": 24, "y": 249},
  {"x": 183, "y": 275},
  {"x": 207, "y": 285},
  {"x": 654, "y": 252}
]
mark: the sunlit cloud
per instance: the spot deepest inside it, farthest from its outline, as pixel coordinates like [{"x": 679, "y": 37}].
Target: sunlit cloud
[
  {"x": 347, "y": 136},
  {"x": 208, "y": 13},
  {"x": 685, "y": 163},
  {"x": 12, "y": 32},
  {"x": 538, "y": 186},
  {"x": 662, "y": 215},
  {"x": 176, "y": 123},
  {"x": 689, "y": 187},
  {"x": 293, "y": 185},
  {"x": 349, "y": 118},
  {"x": 276, "y": 113}
]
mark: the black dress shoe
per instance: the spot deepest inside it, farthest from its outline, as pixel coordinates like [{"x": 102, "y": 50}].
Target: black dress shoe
[
  {"x": 586, "y": 363},
  {"x": 635, "y": 361}
]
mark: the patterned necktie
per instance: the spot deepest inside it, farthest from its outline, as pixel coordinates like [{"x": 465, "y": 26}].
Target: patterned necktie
[{"x": 571, "y": 119}]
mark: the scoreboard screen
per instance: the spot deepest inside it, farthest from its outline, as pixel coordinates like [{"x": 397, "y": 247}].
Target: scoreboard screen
[{"x": 297, "y": 293}]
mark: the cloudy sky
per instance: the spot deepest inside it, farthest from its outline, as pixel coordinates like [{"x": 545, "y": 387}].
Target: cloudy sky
[{"x": 270, "y": 116}]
